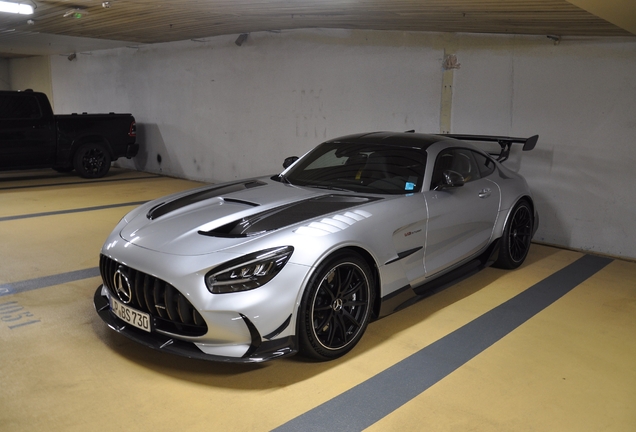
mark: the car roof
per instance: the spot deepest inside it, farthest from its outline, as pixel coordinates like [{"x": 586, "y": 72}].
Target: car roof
[{"x": 398, "y": 139}]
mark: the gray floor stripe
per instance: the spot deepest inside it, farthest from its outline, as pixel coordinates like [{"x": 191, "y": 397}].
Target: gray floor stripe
[
  {"x": 47, "y": 281},
  {"x": 43, "y": 185},
  {"x": 78, "y": 210},
  {"x": 374, "y": 399}
]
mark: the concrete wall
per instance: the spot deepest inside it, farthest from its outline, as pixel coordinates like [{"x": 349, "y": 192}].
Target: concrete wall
[
  {"x": 31, "y": 73},
  {"x": 5, "y": 82},
  {"x": 580, "y": 97},
  {"x": 214, "y": 111}
]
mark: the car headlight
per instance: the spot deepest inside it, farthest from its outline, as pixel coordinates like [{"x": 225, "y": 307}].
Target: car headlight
[{"x": 248, "y": 272}]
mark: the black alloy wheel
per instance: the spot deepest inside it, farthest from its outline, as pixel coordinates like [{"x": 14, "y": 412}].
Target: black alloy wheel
[
  {"x": 92, "y": 161},
  {"x": 336, "y": 307},
  {"x": 516, "y": 239}
]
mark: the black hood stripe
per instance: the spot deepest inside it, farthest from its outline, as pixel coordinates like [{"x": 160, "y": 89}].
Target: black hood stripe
[
  {"x": 213, "y": 192},
  {"x": 287, "y": 215}
]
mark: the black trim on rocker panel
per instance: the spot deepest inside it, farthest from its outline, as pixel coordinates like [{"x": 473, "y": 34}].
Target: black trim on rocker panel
[{"x": 409, "y": 295}]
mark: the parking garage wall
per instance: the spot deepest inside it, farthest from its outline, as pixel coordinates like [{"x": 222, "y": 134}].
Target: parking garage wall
[
  {"x": 212, "y": 110},
  {"x": 579, "y": 95},
  {"x": 5, "y": 82},
  {"x": 31, "y": 73}
]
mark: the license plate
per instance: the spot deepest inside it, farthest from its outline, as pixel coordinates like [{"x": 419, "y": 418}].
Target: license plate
[{"x": 132, "y": 316}]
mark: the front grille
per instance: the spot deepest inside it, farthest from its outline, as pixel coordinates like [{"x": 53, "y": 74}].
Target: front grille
[{"x": 171, "y": 310}]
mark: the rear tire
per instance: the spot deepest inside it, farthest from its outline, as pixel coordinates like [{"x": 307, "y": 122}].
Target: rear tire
[
  {"x": 515, "y": 242},
  {"x": 92, "y": 161},
  {"x": 336, "y": 307}
]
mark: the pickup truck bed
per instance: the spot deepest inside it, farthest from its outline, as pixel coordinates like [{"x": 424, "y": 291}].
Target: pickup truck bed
[{"x": 31, "y": 136}]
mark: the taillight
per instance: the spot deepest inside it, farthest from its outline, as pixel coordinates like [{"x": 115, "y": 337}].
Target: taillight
[{"x": 133, "y": 130}]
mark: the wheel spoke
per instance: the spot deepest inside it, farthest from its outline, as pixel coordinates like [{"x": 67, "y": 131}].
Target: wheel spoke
[
  {"x": 353, "y": 289},
  {"x": 343, "y": 284},
  {"x": 351, "y": 318},
  {"x": 342, "y": 328},
  {"x": 333, "y": 330},
  {"x": 330, "y": 290},
  {"x": 322, "y": 323},
  {"x": 354, "y": 303}
]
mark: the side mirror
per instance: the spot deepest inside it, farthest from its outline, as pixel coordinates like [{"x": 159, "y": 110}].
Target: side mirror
[
  {"x": 452, "y": 179},
  {"x": 289, "y": 161}
]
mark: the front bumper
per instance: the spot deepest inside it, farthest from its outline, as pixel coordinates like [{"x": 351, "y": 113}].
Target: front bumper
[{"x": 259, "y": 351}]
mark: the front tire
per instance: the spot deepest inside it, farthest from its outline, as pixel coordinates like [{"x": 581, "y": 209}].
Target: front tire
[
  {"x": 336, "y": 307},
  {"x": 517, "y": 235},
  {"x": 92, "y": 161}
]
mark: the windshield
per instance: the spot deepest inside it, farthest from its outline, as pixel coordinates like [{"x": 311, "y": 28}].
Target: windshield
[{"x": 369, "y": 168}]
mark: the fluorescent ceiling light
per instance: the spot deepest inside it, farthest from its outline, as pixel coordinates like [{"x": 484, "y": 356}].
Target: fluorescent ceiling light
[{"x": 16, "y": 8}]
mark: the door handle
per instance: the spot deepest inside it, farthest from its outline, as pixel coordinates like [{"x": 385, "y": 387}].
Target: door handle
[{"x": 484, "y": 193}]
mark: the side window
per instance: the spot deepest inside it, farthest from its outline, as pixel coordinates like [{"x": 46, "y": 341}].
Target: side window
[
  {"x": 17, "y": 107},
  {"x": 459, "y": 160},
  {"x": 485, "y": 164}
]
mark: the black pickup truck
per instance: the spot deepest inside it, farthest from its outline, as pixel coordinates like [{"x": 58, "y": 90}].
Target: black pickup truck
[{"x": 31, "y": 136}]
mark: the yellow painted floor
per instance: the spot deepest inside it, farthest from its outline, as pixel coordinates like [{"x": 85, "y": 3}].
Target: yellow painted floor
[{"x": 572, "y": 367}]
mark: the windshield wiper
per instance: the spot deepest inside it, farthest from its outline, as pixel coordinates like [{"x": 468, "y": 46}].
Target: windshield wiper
[
  {"x": 329, "y": 188},
  {"x": 284, "y": 179}
]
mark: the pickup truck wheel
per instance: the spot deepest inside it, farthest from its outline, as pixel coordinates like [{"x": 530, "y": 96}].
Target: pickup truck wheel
[{"x": 92, "y": 161}]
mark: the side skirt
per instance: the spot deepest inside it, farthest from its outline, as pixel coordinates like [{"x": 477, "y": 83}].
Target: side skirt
[{"x": 409, "y": 295}]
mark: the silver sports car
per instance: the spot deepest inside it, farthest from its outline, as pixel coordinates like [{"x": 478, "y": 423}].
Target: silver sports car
[{"x": 355, "y": 229}]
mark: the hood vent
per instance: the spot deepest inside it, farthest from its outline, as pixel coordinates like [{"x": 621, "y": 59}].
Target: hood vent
[
  {"x": 213, "y": 192},
  {"x": 287, "y": 215}
]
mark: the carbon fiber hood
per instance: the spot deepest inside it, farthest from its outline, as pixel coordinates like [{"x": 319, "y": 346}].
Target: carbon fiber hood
[{"x": 220, "y": 217}]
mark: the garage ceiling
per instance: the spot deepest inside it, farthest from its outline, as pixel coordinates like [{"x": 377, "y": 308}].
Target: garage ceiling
[{"x": 66, "y": 26}]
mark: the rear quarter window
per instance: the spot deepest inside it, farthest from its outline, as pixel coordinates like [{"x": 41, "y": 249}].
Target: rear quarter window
[
  {"x": 486, "y": 165},
  {"x": 19, "y": 107}
]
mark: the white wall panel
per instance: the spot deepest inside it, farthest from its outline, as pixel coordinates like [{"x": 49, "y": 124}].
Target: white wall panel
[
  {"x": 214, "y": 111},
  {"x": 580, "y": 97}
]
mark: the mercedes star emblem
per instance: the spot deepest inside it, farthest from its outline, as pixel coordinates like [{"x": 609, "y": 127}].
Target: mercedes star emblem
[{"x": 122, "y": 286}]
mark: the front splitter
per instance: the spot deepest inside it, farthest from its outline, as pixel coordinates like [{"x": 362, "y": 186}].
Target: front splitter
[{"x": 267, "y": 350}]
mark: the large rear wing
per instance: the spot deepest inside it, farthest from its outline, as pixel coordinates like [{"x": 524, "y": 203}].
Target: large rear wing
[{"x": 504, "y": 142}]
